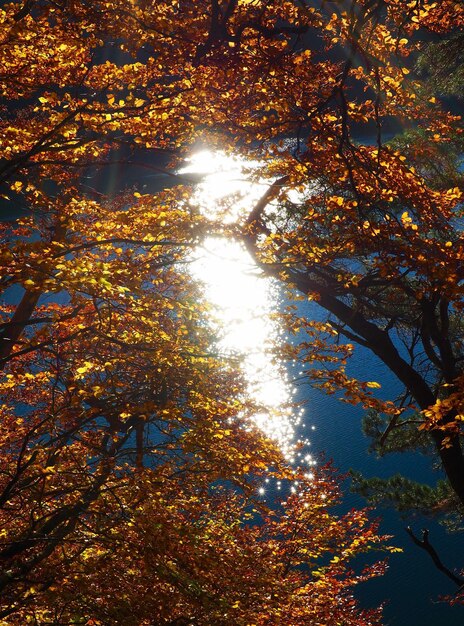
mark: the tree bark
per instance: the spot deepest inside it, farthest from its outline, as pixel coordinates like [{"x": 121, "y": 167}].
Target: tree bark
[{"x": 10, "y": 334}]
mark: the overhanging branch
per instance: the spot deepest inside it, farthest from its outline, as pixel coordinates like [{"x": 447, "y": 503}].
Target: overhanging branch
[{"x": 425, "y": 544}]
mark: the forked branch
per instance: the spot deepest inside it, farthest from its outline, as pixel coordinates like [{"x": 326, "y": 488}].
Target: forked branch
[{"x": 425, "y": 544}]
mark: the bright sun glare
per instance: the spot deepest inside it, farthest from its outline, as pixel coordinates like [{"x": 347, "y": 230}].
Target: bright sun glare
[{"x": 242, "y": 298}]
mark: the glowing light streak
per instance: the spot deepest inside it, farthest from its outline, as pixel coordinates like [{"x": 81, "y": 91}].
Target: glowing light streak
[{"x": 243, "y": 300}]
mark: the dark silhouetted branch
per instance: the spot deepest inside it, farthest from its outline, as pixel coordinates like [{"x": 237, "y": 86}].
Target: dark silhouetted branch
[{"x": 425, "y": 544}]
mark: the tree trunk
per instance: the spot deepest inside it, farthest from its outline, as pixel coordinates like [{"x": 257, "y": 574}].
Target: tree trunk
[{"x": 11, "y": 333}]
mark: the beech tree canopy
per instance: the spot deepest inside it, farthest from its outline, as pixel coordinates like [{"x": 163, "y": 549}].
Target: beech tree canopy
[{"x": 128, "y": 459}]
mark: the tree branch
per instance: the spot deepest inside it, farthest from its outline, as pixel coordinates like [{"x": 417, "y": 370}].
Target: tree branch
[{"x": 425, "y": 544}]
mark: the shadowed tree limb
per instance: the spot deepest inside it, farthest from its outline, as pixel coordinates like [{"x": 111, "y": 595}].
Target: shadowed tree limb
[
  {"x": 425, "y": 544},
  {"x": 9, "y": 335}
]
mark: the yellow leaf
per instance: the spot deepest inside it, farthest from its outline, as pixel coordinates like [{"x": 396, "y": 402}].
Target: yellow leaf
[{"x": 84, "y": 368}]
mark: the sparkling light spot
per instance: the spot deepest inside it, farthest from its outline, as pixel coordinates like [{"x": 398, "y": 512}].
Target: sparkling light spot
[{"x": 243, "y": 299}]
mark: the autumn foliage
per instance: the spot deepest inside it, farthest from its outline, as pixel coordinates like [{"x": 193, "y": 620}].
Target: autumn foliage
[
  {"x": 129, "y": 464},
  {"x": 128, "y": 459}
]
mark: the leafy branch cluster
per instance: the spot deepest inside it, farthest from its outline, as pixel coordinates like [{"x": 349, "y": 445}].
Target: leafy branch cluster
[{"x": 128, "y": 462}]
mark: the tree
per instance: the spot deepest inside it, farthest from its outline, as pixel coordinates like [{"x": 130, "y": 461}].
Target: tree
[
  {"x": 117, "y": 366},
  {"x": 169, "y": 552},
  {"x": 124, "y": 433},
  {"x": 368, "y": 237},
  {"x": 376, "y": 239}
]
